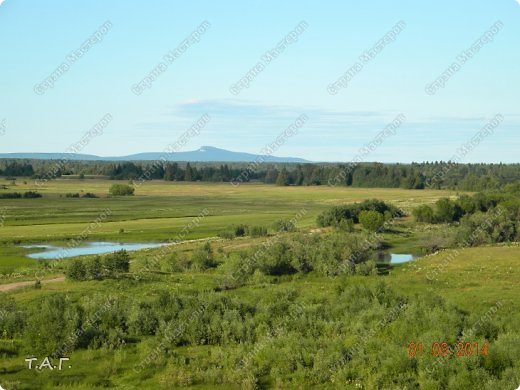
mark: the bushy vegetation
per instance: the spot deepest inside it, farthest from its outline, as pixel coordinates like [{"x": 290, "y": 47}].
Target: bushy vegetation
[
  {"x": 110, "y": 266},
  {"x": 17, "y": 195},
  {"x": 77, "y": 195},
  {"x": 484, "y": 218},
  {"x": 336, "y": 214},
  {"x": 242, "y": 230},
  {"x": 327, "y": 254},
  {"x": 371, "y": 220},
  {"x": 357, "y": 337},
  {"x": 121, "y": 190}
]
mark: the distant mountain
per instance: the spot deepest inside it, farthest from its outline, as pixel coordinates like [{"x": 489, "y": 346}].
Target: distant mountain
[{"x": 203, "y": 154}]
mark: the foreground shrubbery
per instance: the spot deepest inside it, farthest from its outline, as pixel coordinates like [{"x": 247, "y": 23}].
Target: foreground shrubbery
[{"x": 355, "y": 337}]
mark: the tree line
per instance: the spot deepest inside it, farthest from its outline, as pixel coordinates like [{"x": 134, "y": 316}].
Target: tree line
[{"x": 466, "y": 177}]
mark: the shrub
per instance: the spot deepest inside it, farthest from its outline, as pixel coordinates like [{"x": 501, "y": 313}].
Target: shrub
[
  {"x": 334, "y": 215},
  {"x": 486, "y": 228},
  {"x": 240, "y": 230},
  {"x": 278, "y": 260},
  {"x": 447, "y": 211},
  {"x": 346, "y": 225},
  {"x": 94, "y": 269},
  {"x": 283, "y": 225},
  {"x": 10, "y": 195},
  {"x": 227, "y": 234},
  {"x": 32, "y": 195},
  {"x": 76, "y": 270},
  {"x": 202, "y": 258},
  {"x": 423, "y": 213},
  {"x": 89, "y": 195},
  {"x": 117, "y": 262},
  {"x": 121, "y": 190},
  {"x": 257, "y": 231}
]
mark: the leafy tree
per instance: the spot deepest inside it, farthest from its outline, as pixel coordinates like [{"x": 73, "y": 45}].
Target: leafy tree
[{"x": 371, "y": 220}]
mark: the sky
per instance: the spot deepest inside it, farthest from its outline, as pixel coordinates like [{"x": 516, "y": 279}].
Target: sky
[{"x": 155, "y": 67}]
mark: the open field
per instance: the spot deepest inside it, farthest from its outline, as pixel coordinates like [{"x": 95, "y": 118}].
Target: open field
[{"x": 159, "y": 209}]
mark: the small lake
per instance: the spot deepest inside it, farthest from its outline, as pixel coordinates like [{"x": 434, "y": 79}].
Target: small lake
[
  {"x": 396, "y": 258},
  {"x": 91, "y": 248}
]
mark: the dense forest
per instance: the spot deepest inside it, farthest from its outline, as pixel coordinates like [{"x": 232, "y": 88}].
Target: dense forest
[{"x": 466, "y": 177}]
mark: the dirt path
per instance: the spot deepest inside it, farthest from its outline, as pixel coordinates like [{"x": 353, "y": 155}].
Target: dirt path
[{"x": 12, "y": 286}]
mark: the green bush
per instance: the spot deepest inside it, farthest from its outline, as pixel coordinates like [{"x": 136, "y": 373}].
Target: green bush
[
  {"x": 346, "y": 225},
  {"x": 32, "y": 195},
  {"x": 334, "y": 215},
  {"x": 94, "y": 269},
  {"x": 283, "y": 225},
  {"x": 227, "y": 234},
  {"x": 117, "y": 262},
  {"x": 121, "y": 190},
  {"x": 257, "y": 231},
  {"x": 10, "y": 195},
  {"x": 447, "y": 211},
  {"x": 76, "y": 270},
  {"x": 423, "y": 213},
  {"x": 203, "y": 258}
]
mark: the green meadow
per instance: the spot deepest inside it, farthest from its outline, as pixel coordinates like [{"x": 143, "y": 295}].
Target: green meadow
[{"x": 349, "y": 331}]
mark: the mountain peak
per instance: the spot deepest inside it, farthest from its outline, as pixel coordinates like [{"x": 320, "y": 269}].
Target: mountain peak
[{"x": 207, "y": 149}]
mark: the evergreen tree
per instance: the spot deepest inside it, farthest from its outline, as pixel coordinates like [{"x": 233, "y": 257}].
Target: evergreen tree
[{"x": 282, "y": 179}]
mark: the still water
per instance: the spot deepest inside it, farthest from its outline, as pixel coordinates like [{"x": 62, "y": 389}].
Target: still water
[
  {"x": 395, "y": 258},
  {"x": 91, "y": 248}
]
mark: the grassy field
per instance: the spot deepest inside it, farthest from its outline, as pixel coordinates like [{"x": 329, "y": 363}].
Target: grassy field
[
  {"x": 471, "y": 281},
  {"x": 159, "y": 210}
]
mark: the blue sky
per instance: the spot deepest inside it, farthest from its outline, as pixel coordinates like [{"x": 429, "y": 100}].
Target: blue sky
[{"x": 37, "y": 36}]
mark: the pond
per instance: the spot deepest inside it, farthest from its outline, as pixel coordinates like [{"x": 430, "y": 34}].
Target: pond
[
  {"x": 91, "y": 248},
  {"x": 396, "y": 258}
]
